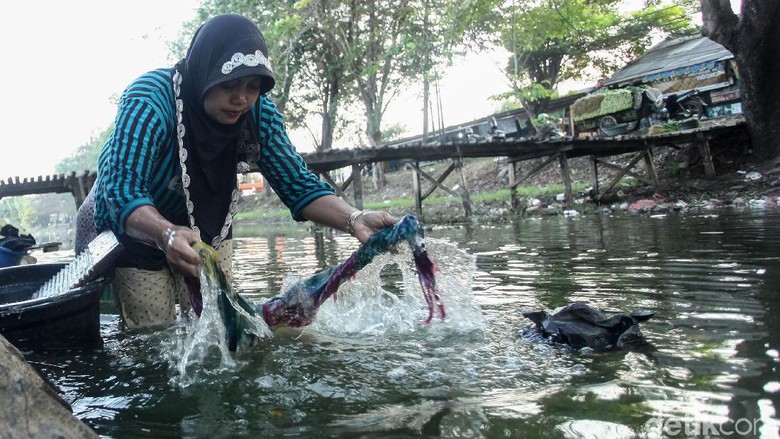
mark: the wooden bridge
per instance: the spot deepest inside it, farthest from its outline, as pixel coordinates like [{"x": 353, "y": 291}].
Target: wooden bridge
[
  {"x": 78, "y": 185},
  {"x": 598, "y": 149}
]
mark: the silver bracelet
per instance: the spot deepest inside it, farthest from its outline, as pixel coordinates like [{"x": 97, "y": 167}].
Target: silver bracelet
[
  {"x": 168, "y": 235},
  {"x": 351, "y": 221}
]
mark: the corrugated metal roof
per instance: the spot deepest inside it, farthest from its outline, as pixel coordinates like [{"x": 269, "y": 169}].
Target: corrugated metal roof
[{"x": 670, "y": 55}]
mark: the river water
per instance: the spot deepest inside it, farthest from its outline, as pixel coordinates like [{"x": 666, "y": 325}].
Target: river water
[{"x": 369, "y": 367}]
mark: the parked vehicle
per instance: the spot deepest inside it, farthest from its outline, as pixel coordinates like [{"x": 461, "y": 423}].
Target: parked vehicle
[
  {"x": 614, "y": 112},
  {"x": 685, "y": 105}
]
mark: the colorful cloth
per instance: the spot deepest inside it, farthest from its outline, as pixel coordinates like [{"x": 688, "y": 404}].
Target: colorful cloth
[{"x": 298, "y": 306}]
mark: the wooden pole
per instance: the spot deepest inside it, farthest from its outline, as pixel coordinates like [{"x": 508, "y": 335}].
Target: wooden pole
[
  {"x": 514, "y": 202},
  {"x": 465, "y": 191},
  {"x": 704, "y": 150},
  {"x": 357, "y": 183},
  {"x": 566, "y": 176},
  {"x": 595, "y": 166},
  {"x": 648, "y": 155},
  {"x": 417, "y": 190}
]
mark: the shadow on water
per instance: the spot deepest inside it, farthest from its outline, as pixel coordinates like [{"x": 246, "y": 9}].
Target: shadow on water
[{"x": 369, "y": 368}]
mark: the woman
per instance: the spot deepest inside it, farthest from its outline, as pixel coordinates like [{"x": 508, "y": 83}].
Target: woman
[{"x": 167, "y": 174}]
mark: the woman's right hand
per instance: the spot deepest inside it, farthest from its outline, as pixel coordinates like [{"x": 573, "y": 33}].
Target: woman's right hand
[{"x": 176, "y": 242}]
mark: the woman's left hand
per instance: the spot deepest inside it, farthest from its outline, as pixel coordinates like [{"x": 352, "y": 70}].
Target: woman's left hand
[{"x": 372, "y": 221}]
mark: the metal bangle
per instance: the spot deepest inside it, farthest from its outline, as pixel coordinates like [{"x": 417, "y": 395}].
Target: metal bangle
[
  {"x": 351, "y": 221},
  {"x": 168, "y": 235}
]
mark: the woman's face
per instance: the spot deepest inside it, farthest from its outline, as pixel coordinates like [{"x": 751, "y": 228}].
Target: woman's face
[{"x": 227, "y": 101}]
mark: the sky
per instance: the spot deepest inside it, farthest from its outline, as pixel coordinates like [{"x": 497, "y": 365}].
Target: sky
[
  {"x": 63, "y": 63},
  {"x": 66, "y": 62}
]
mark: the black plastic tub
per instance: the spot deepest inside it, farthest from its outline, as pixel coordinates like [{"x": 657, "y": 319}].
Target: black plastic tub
[{"x": 65, "y": 321}]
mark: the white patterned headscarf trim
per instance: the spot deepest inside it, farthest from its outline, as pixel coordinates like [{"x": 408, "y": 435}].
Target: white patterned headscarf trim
[{"x": 250, "y": 60}]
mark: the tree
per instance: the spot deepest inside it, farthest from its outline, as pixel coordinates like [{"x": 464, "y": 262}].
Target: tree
[
  {"x": 440, "y": 30},
  {"x": 555, "y": 40},
  {"x": 753, "y": 37}
]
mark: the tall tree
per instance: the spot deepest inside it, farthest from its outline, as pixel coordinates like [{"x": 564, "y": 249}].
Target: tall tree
[
  {"x": 440, "y": 30},
  {"x": 371, "y": 43},
  {"x": 554, "y": 40},
  {"x": 753, "y": 37}
]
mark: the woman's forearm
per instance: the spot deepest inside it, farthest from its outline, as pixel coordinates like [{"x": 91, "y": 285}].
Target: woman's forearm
[{"x": 332, "y": 211}]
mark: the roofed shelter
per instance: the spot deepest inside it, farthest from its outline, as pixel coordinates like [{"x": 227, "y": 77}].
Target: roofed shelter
[{"x": 686, "y": 63}]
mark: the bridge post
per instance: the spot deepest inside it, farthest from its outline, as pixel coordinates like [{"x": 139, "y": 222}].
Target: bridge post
[
  {"x": 417, "y": 189},
  {"x": 594, "y": 161},
  {"x": 357, "y": 185},
  {"x": 514, "y": 202},
  {"x": 465, "y": 193},
  {"x": 566, "y": 176},
  {"x": 706, "y": 154},
  {"x": 648, "y": 156},
  {"x": 80, "y": 186}
]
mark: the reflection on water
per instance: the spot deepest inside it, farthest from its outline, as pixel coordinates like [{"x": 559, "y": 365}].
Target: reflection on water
[{"x": 368, "y": 368}]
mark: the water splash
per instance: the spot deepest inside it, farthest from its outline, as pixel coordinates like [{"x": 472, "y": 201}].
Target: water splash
[
  {"x": 368, "y": 306},
  {"x": 203, "y": 349},
  {"x": 364, "y": 307}
]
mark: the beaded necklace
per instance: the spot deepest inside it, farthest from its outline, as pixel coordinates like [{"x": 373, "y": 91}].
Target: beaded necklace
[{"x": 185, "y": 178}]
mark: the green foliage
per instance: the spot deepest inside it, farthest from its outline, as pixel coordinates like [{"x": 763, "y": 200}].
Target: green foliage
[
  {"x": 18, "y": 211},
  {"x": 556, "y": 40},
  {"x": 393, "y": 132}
]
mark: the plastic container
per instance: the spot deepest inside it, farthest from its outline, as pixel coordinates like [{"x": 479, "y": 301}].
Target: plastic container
[
  {"x": 9, "y": 258},
  {"x": 63, "y": 321}
]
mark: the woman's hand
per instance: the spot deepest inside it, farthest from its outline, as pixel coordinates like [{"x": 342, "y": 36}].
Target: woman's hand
[
  {"x": 332, "y": 211},
  {"x": 176, "y": 242},
  {"x": 370, "y": 222},
  {"x": 149, "y": 227}
]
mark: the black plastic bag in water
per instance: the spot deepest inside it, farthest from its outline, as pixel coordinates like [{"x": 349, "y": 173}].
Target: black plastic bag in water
[{"x": 582, "y": 326}]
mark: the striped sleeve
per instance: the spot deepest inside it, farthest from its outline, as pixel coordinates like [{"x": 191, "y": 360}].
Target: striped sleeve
[
  {"x": 127, "y": 161},
  {"x": 283, "y": 167}
]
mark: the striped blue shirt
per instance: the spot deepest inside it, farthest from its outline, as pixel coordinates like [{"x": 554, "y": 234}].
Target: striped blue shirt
[{"x": 139, "y": 164}]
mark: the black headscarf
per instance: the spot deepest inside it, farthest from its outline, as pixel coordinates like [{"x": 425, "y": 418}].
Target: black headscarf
[{"x": 224, "y": 48}]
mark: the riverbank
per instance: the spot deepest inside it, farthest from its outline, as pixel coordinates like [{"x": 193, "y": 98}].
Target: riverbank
[{"x": 739, "y": 181}]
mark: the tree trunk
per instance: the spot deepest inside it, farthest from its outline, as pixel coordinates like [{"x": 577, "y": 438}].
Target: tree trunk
[
  {"x": 329, "y": 114},
  {"x": 753, "y": 37}
]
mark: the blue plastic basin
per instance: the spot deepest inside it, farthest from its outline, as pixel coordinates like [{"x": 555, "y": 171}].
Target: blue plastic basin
[{"x": 9, "y": 258}]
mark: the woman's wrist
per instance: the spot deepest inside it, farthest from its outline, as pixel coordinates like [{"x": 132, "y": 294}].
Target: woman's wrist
[
  {"x": 350, "y": 228},
  {"x": 168, "y": 235}
]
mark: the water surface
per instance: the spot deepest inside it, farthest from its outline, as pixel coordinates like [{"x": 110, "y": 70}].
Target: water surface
[{"x": 369, "y": 368}]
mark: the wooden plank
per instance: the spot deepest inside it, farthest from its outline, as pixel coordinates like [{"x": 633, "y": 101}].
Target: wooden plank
[
  {"x": 536, "y": 169},
  {"x": 326, "y": 176},
  {"x": 436, "y": 182},
  {"x": 615, "y": 167}
]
